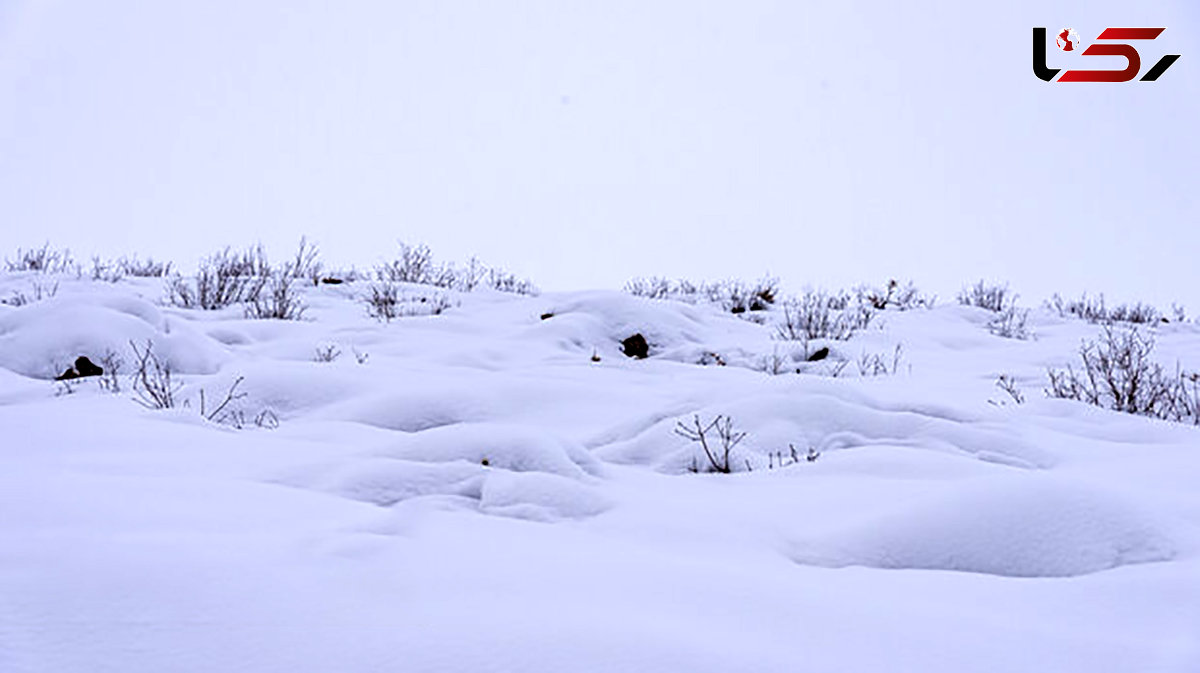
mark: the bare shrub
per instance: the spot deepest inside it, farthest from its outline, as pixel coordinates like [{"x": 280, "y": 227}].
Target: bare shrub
[
  {"x": 818, "y": 315},
  {"x": 416, "y": 264},
  {"x": 223, "y": 279},
  {"x": 1010, "y": 323},
  {"x": 111, "y": 362},
  {"x": 306, "y": 263},
  {"x": 1118, "y": 373},
  {"x": 147, "y": 268},
  {"x": 279, "y": 299},
  {"x": 894, "y": 296},
  {"x": 39, "y": 291},
  {"x": 413, "y": 265},
  {"x": 1009, "y": 385},
  {"x": 1137, "y": 313},
  {"x": 471, "y": 276},
  {"x": 718, "y": 448},
  {"x": 266, "y": 419},
  {"x": 327, "y": 353},
  {"x": 779, "y": 459},
  {"x": 360, "y": 357},
  {"x": 992, "y": 297},
  {"x": 734, "y": 296},
  {"x": 501, "y": 280},
  {"x": 222, "y": 412},
  {"x": 775, "y": 364},
  {"x": 738, "y": 297},
  {"x": 1178, "y": 313},
  {"x": 151, "y": 379},
  {"x": 383, "y": 302},
  {"x": 103, "y": 270},
  {"x": 650, "y": 288},
  {"x": 877, "y": 364},
  {"x": 1094, "y": 310},
  {"x": 43, "y": 260},
  {"x": 386, "y": 301}
]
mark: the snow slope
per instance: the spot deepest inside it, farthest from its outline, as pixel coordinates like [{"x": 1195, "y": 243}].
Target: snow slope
[{"x": 479, "y": 495}]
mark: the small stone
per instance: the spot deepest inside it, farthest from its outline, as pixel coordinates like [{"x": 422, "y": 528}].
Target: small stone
[{"x": 636, "y": 346}]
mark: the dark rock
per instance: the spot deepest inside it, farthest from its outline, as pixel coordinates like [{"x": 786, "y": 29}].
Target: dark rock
[
  {"x": 547, "y": 316},
  {"x": 85, "y": 367},
  {"x": 819, "y": 354},
  {"x": 332, "y": 281},
  {"x": 636, "y": 346}
]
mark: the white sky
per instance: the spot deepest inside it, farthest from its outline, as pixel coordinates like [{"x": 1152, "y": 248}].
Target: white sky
[{"x": 584, "y": 143}]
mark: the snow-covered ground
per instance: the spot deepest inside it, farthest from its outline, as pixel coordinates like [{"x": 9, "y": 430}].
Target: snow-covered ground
[{"x": 473, "y": 491}]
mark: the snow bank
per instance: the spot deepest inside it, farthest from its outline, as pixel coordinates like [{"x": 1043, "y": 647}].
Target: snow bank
[
  {"x": 1027, "y": 528},
  {"x": 42, "y": 339},
  {"x": 827, "y": 416},
  {"x": 507, "y": 447}
]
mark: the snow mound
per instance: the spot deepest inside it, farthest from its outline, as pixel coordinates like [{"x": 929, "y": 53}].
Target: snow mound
[
  {"x": 41, "y": 339},
  {"x": 507, "y": 447},
  {"x": 536, "y": 496},
  {"x": 829, "y": 418},
  {"x": 675, "y": 331},
  {"x": 1033, "y": 528},
  {"x": 539, "y": 497},
  {"x": 386, "y": 482}
]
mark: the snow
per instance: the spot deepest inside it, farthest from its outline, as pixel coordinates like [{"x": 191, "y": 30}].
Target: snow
[{"x": 479, "y": 495}]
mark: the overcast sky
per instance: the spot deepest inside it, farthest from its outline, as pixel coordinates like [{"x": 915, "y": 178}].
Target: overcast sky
[{"x": 581, "y": 144}]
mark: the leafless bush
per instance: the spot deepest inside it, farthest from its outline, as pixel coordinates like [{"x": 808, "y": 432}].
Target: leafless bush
[
  {"x": 103, "y": 270},
  {"x": 779, "y": 459},
  {"x": 360, "y": 357},
  {"x": 1010, "y": 322},
  {"x": 40, "y": 291},
  {"x": 877, "y": 364},
  {"x": 383, "y": 302},
  {"x": 501, "y": 280},
  {"x": 43, "y": 260},
  {"x": 111, "y": 363},
  {"x": 1009, "y": 385},
  {"x": 416, "y": 264},
  {"x": 266, "y": 419},
  {"x": 1137, "y": 313},
  {"x": 413, "y": 265},
  {"x": 223, "y": 279},
  {"x": 818, "y": 315},
  {"x": 386, "y": 302},
  {"x": 147, "y": 268},
  {"x": 222, "y": 411},
  {"x": 650, "y": 288},
  {"x": 279, "y": 299},
  {"x": 775, "y": 364},
  {"x": 738, "y": 297},
  {"x": 471, "y": 276},
  {"x": 1094, "y": 310},
  {"x": 151, "y": 379},
  {"x": 1117, "y": 373},
  {"x": 726, "y": 437},
  {"x": 894, "y": 296},
  {"x": 734, "y": 296},
  {"x": 306, "y": 263},
  {"x": 993, "y": 297},
  {"x": 327, "y": 353}
]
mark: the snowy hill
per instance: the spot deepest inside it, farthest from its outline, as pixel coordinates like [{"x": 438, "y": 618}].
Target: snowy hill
[{"x": 498, "y": 487}]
